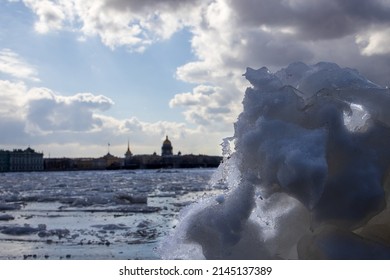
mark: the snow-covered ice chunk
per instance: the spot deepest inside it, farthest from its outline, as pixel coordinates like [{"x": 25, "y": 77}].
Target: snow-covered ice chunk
[{"x": 309, "y": 176}]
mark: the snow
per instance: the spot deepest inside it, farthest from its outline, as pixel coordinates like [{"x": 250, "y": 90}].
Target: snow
[{"x": 308, "y": 176}]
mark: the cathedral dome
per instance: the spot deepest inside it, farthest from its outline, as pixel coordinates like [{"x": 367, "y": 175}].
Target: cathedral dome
[
  {"x": 166, "y": 149},
  {"x": 167, "y": 142}
]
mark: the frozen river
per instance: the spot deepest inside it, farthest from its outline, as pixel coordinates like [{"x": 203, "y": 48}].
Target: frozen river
[{"x": 96, "y": 214}]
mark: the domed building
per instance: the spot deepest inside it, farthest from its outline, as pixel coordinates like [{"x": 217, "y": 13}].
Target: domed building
[{"x": 166, "y": 149}]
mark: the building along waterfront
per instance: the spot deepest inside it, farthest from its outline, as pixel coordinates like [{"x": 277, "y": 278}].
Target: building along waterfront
[
  {"x": 29, "y": 160},
  {"x": 21, "y": 160}
]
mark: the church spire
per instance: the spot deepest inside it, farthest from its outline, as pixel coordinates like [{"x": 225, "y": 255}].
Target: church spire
[{"x": 128, "y": 152}]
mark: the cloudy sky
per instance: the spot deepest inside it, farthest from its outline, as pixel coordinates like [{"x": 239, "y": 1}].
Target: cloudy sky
[{"x": 76, "y": 75}]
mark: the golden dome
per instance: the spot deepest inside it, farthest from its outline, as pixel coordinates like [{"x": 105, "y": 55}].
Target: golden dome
[{"x": 167, "y": 142}]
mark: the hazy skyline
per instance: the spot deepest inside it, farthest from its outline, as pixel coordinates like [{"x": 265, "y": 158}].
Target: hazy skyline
[{"x": 76, "y": 75}]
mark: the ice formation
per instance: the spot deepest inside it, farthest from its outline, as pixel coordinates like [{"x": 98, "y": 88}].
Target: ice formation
[
  {"x": 308, "y": 177},
  {"x": 116, "y": 214}
]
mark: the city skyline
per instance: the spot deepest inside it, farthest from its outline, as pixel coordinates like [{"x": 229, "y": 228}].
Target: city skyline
[
  {"x": 127, "y": 151},
  {"x": 27, "y": 160},
  {"x": 78, "y": 74}
]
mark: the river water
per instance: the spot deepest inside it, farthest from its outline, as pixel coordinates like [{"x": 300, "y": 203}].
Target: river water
[{"x": 95, "y": 214}]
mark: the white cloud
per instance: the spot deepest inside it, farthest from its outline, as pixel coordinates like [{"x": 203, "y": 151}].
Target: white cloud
[
  {"x": 141, "y": 130},
  {"x": 12, "y": 64},
  {"x": 48, "y": 111},
  {"x": 131, "y": 23},
  {"x": 12, "y": 113},
  {"x": 373, "y": 42},
  {"x": 201, "y": 95},
  {"x": 12, "y": 100},
  {"x": 50, "y": 14},
  {"x": 11, "y": 93},
  {"x": 43, "y": 111},
  {"x": 208, "y": 106}
]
